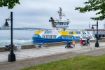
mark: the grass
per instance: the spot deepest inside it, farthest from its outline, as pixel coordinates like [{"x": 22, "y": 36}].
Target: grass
[{"x": 76, "y": 63}]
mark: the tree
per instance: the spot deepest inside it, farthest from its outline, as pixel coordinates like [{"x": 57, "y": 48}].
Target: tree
[
  {"x": 94, "y": 5},
  {"x": 8, "y": 3}
]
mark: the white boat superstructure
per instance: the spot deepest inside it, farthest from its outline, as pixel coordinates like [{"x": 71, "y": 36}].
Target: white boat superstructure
[
  {"x": 83, "y": 34},
  {"x": 60, "y": 23}
]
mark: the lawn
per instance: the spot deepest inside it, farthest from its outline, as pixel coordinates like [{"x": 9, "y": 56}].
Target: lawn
[{"x": 76, "y": 63}]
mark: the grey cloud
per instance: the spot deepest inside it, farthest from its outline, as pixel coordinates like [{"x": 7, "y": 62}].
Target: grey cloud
[{"x": 36, "y": 13}]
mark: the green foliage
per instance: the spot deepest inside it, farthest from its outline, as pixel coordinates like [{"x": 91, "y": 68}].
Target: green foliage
[
  {"x": 8, "y": 3},
  {"x": 77, "y": 63},
  {"x": 94, "y": 5}
]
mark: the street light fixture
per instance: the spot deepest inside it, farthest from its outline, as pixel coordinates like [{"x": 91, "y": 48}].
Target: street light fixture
[
  {"x": 97, "y": 36},
  {"x": 6, "y": 23},
  {"x": 11, "y": 56}
]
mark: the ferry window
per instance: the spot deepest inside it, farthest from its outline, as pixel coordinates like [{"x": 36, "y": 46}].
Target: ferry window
[
  {"x": 65, "y": 24},
  {"x": 42, "y": 36},
  {"x": 36, "y": 35},
  {"x": 47, "y": 32},
  {"x": 70, "y": 32},
  {"x": 53, "y": 36},
  {"x": 78, "y": 32},
  {"x": 55, "y": 23},
  {"x": 48, "y": 36},
  {"x": 88, "y": 32},
  {"x": 84, "y": 33},
  {"x": 45, "y": 36},
  {"x": 61, "y": 23}
]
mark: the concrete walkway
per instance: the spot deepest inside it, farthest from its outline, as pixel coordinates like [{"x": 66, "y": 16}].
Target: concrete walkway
[
  {"x": 31, "y": 57},
  {"x": 40, "y": 52},
  {"x": 37, "y": 52}
]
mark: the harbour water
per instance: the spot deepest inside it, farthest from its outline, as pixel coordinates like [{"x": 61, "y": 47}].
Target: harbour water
[{"x": 21, "y": 37}]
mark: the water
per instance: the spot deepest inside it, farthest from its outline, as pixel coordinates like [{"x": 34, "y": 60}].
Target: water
[{"x": 20, "y": 37}]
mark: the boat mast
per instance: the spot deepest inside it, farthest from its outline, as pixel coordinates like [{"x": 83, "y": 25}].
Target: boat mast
[{"x": 60, "y": 13}]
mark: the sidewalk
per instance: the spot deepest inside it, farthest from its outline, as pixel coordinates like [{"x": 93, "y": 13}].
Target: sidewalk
[
  {"x": 37, "y": 52},
  {"x": 40, "y": 52},
  {"x": 45, "y": 51},
  {"x": 30, "y": 57}
]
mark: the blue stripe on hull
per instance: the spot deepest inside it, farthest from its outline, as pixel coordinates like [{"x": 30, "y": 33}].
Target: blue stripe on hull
[
  {"x": 76, "y": 39},
  {"x": 45, "y": 40}
]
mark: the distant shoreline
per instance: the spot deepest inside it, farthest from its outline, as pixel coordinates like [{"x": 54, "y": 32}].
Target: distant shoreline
[{"x": 24, "y": 28}]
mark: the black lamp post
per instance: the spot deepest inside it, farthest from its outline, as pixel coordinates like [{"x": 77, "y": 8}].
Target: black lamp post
[
  {"x": 11, "y": 56},
  {"x": 97, "y": 36}
]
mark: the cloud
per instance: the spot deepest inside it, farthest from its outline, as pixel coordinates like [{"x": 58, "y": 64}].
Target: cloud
[{"x": 36, "y": 13}]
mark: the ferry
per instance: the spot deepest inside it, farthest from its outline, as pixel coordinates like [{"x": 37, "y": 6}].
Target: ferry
[
  {"x": 51, "y": 36},
  {"x": 57, "y": 34}
]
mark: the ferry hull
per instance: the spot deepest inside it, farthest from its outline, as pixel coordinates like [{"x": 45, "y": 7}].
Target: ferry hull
[
  {"x": 76, "y": 38},
  {"x": 45, "y": 40}
]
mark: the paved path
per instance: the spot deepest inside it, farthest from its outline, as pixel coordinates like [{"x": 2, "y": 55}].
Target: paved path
[
  {"x": 38, "y": 52},
  {"x": 31, "y": 57}
]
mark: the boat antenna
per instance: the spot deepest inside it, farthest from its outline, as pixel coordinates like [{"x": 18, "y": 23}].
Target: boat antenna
[{"x": 60, "y": 13}]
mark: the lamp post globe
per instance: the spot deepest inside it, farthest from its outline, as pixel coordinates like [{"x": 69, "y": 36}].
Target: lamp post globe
[{"x": 6, "y": 23}]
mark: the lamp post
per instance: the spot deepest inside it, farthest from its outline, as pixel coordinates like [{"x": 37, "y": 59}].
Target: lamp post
[
  {"x": 11, "y": 56},
  {"x": 97, "y": 36}
]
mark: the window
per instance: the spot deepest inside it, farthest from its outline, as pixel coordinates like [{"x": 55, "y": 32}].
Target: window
[
  {"x": 47, "y": 32},
  {"x": 70, "y": 32},
  {"x": 78, "y": 32}
]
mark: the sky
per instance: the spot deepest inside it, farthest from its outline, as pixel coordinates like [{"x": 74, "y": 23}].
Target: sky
[{"x": 36, "y": 14}]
